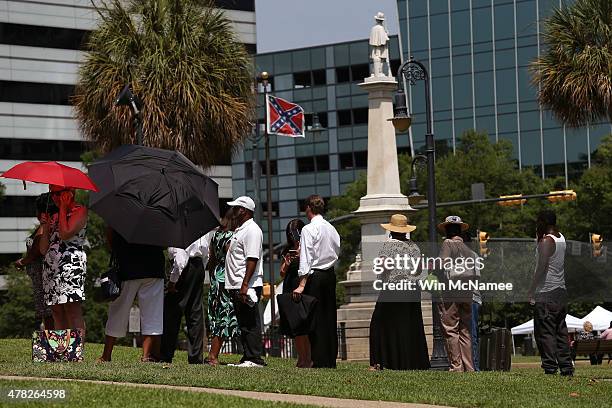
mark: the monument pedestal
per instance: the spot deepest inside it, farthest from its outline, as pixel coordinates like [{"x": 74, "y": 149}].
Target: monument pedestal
[{"x": 383, "y": 199}]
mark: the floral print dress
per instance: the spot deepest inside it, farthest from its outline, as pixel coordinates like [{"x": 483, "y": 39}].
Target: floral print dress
[
  {"x": 221, "y": 315},
  {"x": 64, "y": 267}
]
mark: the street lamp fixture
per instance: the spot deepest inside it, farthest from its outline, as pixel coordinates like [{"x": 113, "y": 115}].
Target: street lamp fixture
[
  {"x": 414, "y": 197},
  {"x": 127, "y": 98},
  {"x": 401, "y": 117}
]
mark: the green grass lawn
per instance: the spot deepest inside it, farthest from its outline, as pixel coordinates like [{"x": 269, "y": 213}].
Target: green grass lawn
[
  {"x": 519, "y": 387},
  {"x": 85, "y": 395}
]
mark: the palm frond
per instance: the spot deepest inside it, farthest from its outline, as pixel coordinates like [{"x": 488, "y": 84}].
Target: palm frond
[
  {"x": 184, "y": 61},
  {"x": 574, "y": 74}
]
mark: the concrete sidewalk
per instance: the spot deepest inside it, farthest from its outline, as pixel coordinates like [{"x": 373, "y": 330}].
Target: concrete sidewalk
[{"x": 264, "y": 396}]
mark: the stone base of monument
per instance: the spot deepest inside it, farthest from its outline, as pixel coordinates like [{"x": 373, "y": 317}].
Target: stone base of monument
[{"x": 355, "y": 315}]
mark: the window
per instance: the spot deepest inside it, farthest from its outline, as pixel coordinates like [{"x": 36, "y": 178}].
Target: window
[
  {"x": 40, "y": 36},
  {"x": 357, "y": 116},
  {"x": 307, "y": 79},
  {"x": 359, "y": 72},
  {"x": 29, "y": 92},
  {"x": 305, "y": 164},
  {"x": 46, "y": 150},
  {"x": 302, "y": 80},
  {"x": 344, "y": 117},
  {"x": 319, "y": 77},
  {"x": 353, "y": 160},
  {"x": 18, "y": 206},
  {"x": 248, "y": 168},
  {"x": 346, "y": 161},
  {"x": 264, "y": 209},
  {"x": 360, "y": 116},
  {"x": 361, "y": 159},
  {"x": 243, "y": 5},
  {"x": 343, "y": 74},
  {"x": 395, "y": 64},
  {"x": 313, "y": 164},
  {"x": 322, "y": 119},
  {"x": 322, "y": 162}
]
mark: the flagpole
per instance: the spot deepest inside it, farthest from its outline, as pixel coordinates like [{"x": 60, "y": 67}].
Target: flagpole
[{"x": 264, "y": 80}]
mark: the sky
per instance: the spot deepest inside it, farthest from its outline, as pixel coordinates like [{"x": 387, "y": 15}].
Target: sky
[{"x": 289, "y": 24}]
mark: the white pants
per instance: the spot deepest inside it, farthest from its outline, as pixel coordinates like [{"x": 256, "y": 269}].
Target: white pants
[{"x": 150, "y": 293}]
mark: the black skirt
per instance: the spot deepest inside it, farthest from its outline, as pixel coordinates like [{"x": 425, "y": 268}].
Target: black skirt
[
  {"x": 290, "y": 282},
  {"x": 397, "y": 336},
  {"x": 324, "y": 338}
]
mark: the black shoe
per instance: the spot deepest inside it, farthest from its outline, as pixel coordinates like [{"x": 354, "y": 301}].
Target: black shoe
[
  {"x": 567, "y": 373},
  {"x": 550, "y": 372}
]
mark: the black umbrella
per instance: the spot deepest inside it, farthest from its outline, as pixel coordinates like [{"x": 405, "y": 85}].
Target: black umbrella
[{"x": 154, "y": 196}]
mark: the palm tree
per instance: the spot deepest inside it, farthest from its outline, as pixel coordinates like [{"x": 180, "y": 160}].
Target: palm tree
[
  {"x": 183, "y": 61},
  {"x": 574, "y": 74}
]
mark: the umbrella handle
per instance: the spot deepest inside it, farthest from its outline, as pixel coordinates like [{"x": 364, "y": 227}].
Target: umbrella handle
[{"x": 24, "y": 184}]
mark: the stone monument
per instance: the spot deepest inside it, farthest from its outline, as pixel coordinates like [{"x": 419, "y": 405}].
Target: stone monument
[{"x": 383, "y": 199}]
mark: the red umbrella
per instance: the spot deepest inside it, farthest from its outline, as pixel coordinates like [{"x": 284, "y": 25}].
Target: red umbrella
[{"x": 51, "y": 173}]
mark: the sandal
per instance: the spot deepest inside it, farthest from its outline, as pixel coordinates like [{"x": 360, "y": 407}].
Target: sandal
[
  {"x": 100, "y": 360},
  {"x": 149, "y": 360}
]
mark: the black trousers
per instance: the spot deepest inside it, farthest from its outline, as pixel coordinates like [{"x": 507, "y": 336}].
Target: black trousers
[
  {"x": 186, "y": 301},
  {"x": 324, "y": 339},
  {"x": 551, "y": 331},
  {"x": 249, "y": 321}
]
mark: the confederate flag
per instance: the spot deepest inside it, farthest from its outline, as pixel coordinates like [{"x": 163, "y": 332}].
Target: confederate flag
[{"x": 284, "y": 118}]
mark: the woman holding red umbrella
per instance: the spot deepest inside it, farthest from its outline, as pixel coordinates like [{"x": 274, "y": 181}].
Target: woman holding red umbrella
[{"x": 62, "y": 245}]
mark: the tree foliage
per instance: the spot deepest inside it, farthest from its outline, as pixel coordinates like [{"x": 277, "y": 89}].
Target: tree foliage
[
  {"x": 183, "y": 61},
  {"x": 574, "y": 74}
]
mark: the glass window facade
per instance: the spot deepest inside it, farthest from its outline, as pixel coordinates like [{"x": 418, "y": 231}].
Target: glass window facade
[
  {"x": 478, "y": 53},
  {"x": 323, "y": 80}
]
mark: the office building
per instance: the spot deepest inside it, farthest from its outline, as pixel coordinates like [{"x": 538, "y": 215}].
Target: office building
[
  {"x": 40, "y": 50},
  {"x": 478, "y": 53},
  {"x": 323, "y": 80}
]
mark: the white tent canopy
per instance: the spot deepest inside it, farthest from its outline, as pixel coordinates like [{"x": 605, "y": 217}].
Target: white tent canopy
[
  {"x": 599, "y": 317},
  {"x": 573, "y": 324}
]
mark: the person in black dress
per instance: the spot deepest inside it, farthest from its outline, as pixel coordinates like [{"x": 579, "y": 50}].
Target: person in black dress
[
  {"x": 289, "y": 271},
  {"x": 397, "y": 336}
]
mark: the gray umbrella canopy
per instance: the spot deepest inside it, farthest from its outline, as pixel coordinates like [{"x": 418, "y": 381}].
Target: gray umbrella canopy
[{"x": 154, "y": 196}]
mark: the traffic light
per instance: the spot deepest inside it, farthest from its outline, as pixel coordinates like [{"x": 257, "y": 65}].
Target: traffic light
[
  {"x": 596, "y": 245},
  {"x": 562, "y": 195},
  {"x": 518, "y": 200},
  {"x": 483, "y": 237}
]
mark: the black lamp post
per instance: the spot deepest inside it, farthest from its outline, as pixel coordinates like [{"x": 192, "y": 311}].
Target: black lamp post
[
  {"x": 414, "y": 71},
  {"x": 127, "y": 98}
]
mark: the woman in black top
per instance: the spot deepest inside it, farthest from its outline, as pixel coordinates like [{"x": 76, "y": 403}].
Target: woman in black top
[
  {"x": 289, "y": 271},
  {"x": 141, "y": 271}
]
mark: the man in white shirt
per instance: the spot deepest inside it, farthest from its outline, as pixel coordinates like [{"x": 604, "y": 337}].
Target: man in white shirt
[
  {"x": 244, "y": 279},
  {"x": 319, "y": 250},
  {"x": 184, "y": 297}
]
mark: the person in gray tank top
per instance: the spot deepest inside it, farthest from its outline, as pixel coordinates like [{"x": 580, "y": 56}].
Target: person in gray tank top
[{"x": 549, "y": 297}]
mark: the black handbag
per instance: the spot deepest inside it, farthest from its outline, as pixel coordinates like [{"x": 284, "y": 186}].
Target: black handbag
[
  {"x": 296, "y": 318},
  {"x": 109, "y": 287}
]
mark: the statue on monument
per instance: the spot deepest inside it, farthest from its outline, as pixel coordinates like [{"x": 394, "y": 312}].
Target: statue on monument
[{"x": 379, "y": 39}]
